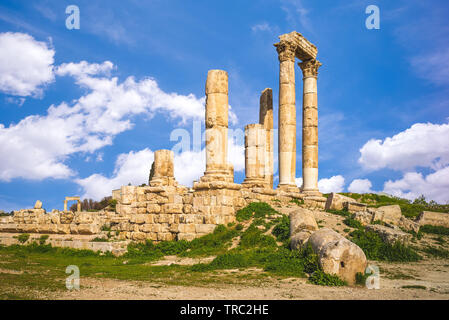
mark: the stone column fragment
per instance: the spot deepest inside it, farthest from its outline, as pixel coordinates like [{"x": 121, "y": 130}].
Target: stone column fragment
[
  {"x": 217, "y": 167},
  {"x": 310, "y": 126},
  {"x": 287, "y": 114},
  {"x": 163, "y": 169},
  {"x": 255, "y": 154},
  {"x": 266, "y": 119}
]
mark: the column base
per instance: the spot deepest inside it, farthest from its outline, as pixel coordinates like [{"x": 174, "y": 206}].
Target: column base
[
  {"x": 288, "y": 188},
  {"x": 312, "y": 192}
]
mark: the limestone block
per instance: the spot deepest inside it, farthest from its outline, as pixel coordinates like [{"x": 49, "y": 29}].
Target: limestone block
[
  {"x": 354, "y": 207},
  {"x": 88, "y": 228},
  {"x": 434, "y": 219},
  {"x": 187, "y": 208},
  {"x": 175, "y": 198},
  {"x": 408, "y": 224},
  {"x": 302, "y": 219},
  {"x": 128, "y": 194},
  {"x": 172, "y": 208},
  {"x": 299, "y": 239},
  {"x": 204, "y": 228},
  {"x": 138, "y": 236},
  {"x": 141, "y": 210},
  {"x": 63, "y": 228},
  {"x": 186, "y": 236},
  {"x": 389, "y": 235},
  {"x": 38, "y": 204},
  {"x": 364, "y": 217},
  {"x": 153, "y": 208},
  {"x": 336, "y": 201},
  {"x": 337, "y": 255},
  {"x": 48, "y": 228},
  {"x": 217, "y": 82},
  {"x": 165, "y": 236},
  {"x": 389, "y": 214}
]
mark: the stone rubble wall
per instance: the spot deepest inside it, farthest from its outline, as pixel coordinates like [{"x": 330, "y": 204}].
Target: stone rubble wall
[{"x": 159, "y": 213}]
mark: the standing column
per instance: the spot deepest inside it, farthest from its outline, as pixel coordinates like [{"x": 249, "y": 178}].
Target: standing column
[
  {"x": 255, "y": 151},
  {"x": 163, "y": 169},
  {"x": 287, "y": 114},
  {"x": 266, "y": 119},
  {"x": 310, "y": 127},
  {"x": 217, "y": 167}
]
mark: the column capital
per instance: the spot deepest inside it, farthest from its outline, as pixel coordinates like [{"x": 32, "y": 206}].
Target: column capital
[
  {"x": 286, "y": 50},
  {"x": 310, "y": 67}
]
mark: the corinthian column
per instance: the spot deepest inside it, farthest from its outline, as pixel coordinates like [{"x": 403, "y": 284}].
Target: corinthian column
[
  {"x": 310, "y": 127},
  {"x": 287, "y": 114}
]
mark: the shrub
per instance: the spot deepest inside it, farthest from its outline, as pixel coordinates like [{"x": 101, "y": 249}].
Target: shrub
[
  {"x": 343, "y": 213},
  {"x": 98, "y": 239},
  {"x": 375, "y": 249},
  {"x": 350, "y": 222},
  {"x": 282, "y": 230},
  {"x": 258, "y": 209},
  {"x": 43, "y": 239},
  {"x": 297, "y": 202},
  {"x": 360, "y": 278},
  {"x": 324, "y": 279},
  {"x": 23, "y": 237},
  {"x": 436, "y": 252},
  {"x": 112, "y": 204},
  {"x": 253, "y": 238}
]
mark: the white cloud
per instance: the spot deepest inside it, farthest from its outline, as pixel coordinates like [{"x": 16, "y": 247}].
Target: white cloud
[
  {"x": 37, "y": 146},
  {"x": 132, "y": 167},
  {"x": 26, "y": 65},
  {"x": 433, "y": 67},
  {"x": 434, "y": 186},
  {"x": 261, "y": 27},
  {"x": 333, "y": 184},
  {"x": 327, "y": 185},
  {"x": 360, "y": 186},
  {"x": 423, "y": 144}
]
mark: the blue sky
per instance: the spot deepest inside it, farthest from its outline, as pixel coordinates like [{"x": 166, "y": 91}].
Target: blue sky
[{"x": 83, "y": 110}]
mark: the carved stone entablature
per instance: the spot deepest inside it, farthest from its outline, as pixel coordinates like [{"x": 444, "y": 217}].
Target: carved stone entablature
[
  {"x": 310, "y": 67},
  {"x": 303, "y": 49}
]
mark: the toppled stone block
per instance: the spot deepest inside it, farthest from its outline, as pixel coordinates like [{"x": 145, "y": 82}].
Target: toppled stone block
[
  {"x": 389, "y": 214},
  {"x": 434, "y": 219},
  {"x": 299, "y": 239},
  {"x": 354, "y": 206},
  {"x": 408, "y": 224},
  {"x": 302, "y": 219},
  {"x": 364, "y": 217},
  {"x": 337, "y": 255},
  {"x": 389, "y": 235},
  {"x": 336, "y": 201}
]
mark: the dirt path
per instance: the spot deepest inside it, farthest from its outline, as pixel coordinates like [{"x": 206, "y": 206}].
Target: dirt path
[{"x": 434, "y": 275}]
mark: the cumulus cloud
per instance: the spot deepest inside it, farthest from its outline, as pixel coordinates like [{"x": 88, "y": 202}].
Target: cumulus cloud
[
  {"x": 333, "y": 184},
  {"x": 38, "y": 146},
  {"x": 327, "y": 185},
  {"x": 434, "y": 186},
  {"x": 422, "y": 145},
  {"x": 360, "y": 186},
  {"x": 26, "y": 65},
  {"x": 132, "y": 167}
]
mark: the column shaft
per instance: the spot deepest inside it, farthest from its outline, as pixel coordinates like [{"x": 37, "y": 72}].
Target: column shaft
[
  {"x": 310, "y": 126},
  {"x": 266, "y": 119},
  {"x": 287, "y": 115},
  {"x": 255, "y": 154}
]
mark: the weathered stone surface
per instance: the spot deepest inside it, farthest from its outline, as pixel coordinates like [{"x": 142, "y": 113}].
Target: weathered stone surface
[
  {"x": 299, "y": 239},
  {"x": 354, "y": 206},
  {"x": 364, "y": 217},
  {"x": 408, "y": 224},
  {"x": 302, "y": 219},
  {"x": 337, "y": 255},
  {"x": 336, "y": 201},
  {"x": 38, "y": 204},
  {"x": 389, "y": 214},
  {"x": 389, "y": 235},
  {"x": 434, "y": 219}
]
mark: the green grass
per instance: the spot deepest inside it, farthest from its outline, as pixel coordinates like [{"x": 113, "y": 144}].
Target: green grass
[
  {"x": 282, "y": 230},
  {"x": 434, "y": 229},
  {"x": 256, "y": 210},
  {"x": 350, "y": 222},
  {"x": 436, "y": 252},
  {"x": 376, "y": 249},
  {"x": 343, "y": 213},
  {"x": 324, "y": 279}
]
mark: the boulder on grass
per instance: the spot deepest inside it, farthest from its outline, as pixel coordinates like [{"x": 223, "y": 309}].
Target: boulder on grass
[
  {"x": 408, "y": 224},
  {"x": 364, "y": 217},
  {"x": 302, "y": 219},
  {"x": 336, "y": 201},
  {"x": 337, "y": 255},
  {"x": 389, "y": 214},
  {"x": 298, "y": 240},
  {"x": 390, "y": 235}
]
